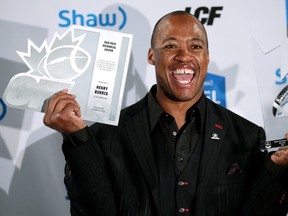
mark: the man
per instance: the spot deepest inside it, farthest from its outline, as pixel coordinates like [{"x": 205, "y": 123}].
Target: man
[{"x": 174, "y": 152}]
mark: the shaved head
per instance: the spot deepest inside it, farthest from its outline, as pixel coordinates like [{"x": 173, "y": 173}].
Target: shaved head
[{"x": 174, "y": 13}]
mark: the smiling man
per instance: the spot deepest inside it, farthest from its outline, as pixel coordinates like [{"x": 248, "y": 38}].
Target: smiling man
[
  {"x": 180, "y": 55},
  {"x": 174, "y": 152}
]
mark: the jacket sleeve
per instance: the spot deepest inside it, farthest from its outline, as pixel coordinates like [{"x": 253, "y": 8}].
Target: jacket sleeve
[
  {"x": 87, "y": 181},
  {"x": 77, "y": 206},
  {"x": 267, "y": 191}
]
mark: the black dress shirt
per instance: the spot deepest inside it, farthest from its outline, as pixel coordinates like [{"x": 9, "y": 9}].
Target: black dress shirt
[{"x": 180, "y": 142}]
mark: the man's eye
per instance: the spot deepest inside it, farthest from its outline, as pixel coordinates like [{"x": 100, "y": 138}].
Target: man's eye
[
  {"x": 196, "y": 47},
  {"x": 170, "y": 46}
]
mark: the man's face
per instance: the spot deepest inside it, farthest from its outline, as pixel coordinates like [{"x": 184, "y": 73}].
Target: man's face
[{"x": 180, "y": 55}]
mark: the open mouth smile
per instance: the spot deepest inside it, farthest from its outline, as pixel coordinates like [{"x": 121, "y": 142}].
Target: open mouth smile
[{"x": 183, "y": 76}]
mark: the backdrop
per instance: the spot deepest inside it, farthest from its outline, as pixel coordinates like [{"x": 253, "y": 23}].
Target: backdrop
[{"x": 245, "y": 39}]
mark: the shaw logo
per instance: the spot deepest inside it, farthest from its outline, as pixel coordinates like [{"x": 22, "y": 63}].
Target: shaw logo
[
  {"x": 3, "y": 109},
  {"x": 73, "y": 17},
  {"x": 214, "y": 89}
]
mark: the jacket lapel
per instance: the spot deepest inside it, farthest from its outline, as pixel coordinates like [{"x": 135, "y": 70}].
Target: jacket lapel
[
  {"x": 213, "y": 141},
  {"x": 137, "y": 129}
]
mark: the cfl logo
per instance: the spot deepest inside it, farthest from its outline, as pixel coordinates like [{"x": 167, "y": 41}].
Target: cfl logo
[{"x": 55, "y": 69}]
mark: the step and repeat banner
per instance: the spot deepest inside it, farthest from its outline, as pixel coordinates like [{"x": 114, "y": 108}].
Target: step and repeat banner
[{"x": 247, "y": 73}]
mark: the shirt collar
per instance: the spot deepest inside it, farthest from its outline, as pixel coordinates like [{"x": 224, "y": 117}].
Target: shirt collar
[{"x": 155, "y": 111}]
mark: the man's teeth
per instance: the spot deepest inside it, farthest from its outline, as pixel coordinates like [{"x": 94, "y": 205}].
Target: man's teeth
[
  {"x": 184, "y": 71},
  {"x": 183, "y": 81}
]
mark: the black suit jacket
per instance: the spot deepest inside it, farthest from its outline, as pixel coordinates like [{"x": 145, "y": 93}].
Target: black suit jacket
[{"x": 112, "y": 171}]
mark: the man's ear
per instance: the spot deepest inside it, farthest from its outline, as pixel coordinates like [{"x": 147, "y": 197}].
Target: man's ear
[{"x": 150, "y": 57}]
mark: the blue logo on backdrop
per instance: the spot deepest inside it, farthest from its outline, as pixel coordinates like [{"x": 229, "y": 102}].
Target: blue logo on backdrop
[
  {"x": 278, "y": 75},
  {"x": 3, "y": 109},
  {"x": 74, "y": 17},
  {"x": 214, "y": 89}
]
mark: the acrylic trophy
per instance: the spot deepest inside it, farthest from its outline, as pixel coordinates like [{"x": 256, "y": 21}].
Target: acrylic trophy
[{"x": 91, "y": 63}]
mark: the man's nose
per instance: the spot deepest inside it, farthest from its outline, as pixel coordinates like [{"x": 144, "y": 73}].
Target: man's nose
[{"x": 183, "y": 55}]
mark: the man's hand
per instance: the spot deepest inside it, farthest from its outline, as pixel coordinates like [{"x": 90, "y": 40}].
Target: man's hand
[
  {"x": 62, "y": 113},
  {"x": 280, "y": 157}
]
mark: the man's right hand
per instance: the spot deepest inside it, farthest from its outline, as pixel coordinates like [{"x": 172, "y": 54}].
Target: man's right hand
[{"x": 62, "y": 113}]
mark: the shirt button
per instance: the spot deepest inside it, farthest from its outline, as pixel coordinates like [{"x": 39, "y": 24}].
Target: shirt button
[
  {"x": 182, "y": 183},
  {"x": 180, "y": 159},
  {"x": 182, "y": 210},
  {"x": 174, "y": 133}
]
